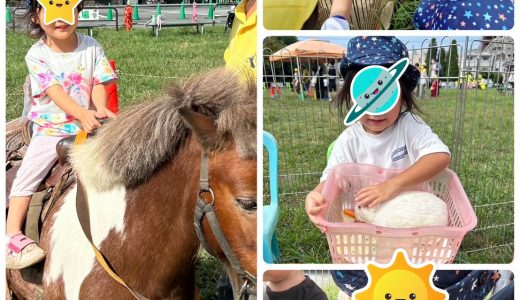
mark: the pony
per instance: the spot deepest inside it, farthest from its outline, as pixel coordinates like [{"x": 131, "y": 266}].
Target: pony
[{"x": 141, "y": 175}]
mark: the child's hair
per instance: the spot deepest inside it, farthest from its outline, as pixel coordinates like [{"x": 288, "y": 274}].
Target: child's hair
[
  {"x": 343, "y": 101},
  {"x": 32, "y": 19}
]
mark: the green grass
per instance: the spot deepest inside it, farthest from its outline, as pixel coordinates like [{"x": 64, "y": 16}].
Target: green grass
[
  {"x": 403, "y": 14},
  {"x": 177, "y": 53},
  {"x": 331, "y": 290},
  {"x": 482, "y": 156}
]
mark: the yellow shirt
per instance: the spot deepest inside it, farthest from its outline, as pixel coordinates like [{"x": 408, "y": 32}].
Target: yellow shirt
[
  {"x": 287, "y": 14},
  {"x": 241, "y": 51}
]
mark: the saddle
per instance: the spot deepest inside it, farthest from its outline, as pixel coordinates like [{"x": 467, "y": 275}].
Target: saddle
[{"x": 60, "y": 177}]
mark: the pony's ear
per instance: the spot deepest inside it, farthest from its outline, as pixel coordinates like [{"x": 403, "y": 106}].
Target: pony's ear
[{"x": 202, "y": 126}]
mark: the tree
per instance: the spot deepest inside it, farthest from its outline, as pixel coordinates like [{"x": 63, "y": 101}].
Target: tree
[
  {"x": 274, "y": 44},
  {"x": 453, "y": 69},
  {"x": 431, "y": 53},
  {"x": 444, "y": 62}
]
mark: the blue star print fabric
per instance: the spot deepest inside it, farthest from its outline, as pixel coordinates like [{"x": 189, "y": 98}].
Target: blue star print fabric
[{"x": 464, "y": 15}]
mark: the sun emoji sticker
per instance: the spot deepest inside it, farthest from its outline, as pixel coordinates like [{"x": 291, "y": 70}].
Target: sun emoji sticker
[{"x": 399, "y": 280}]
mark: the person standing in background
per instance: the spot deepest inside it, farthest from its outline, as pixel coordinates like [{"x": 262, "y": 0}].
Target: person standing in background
[
  {"x": 332, "y": 77},
  {"x": 129, "y": 11},
  {"x": 423, "y": 82},
  {"x": 241, "y": 51}
]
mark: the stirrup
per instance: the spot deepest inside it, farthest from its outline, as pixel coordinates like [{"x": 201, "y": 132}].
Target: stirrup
[{"x": 19, "y": 241}]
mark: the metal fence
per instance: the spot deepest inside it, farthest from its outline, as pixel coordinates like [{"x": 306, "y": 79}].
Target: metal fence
[{"x": 468, "y": 103}]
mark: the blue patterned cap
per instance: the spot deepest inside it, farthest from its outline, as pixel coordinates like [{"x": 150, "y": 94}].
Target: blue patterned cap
[
  {"x": 378, "y": 50},
  {"x": 464, "y": 14}
]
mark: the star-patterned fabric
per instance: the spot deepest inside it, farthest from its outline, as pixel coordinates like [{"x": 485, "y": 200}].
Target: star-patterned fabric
[
  {"x": 378, "y": 50},
  {"x": 464, "y": 15},
  {"x": 464, "y": 285},
  {"x": 349, "y": 281}
]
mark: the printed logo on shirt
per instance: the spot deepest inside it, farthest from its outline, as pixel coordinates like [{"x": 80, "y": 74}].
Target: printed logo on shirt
[
  {"x": 399, "y": 153},
  {"x": 252, "y": 61}
]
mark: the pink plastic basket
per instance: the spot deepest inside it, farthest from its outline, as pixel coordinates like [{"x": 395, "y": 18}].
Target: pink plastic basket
[{"x": 361, "y": 242}]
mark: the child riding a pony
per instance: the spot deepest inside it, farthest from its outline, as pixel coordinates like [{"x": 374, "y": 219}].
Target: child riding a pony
[{"x": 68, "y": 72}]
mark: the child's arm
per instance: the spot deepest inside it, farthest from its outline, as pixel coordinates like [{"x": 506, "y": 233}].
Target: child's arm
[
  {"x": 314, "y": 203},
  {"x": 339, "y": 15},
  {"x": 65, "y": 102},
  {"x": 99, "y": 98},
  {"x": 341, "y": 8},
  {"x": 424, "y": 169}
]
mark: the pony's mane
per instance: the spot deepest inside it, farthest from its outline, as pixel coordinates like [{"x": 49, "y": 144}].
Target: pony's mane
[{"x": 129, "y": 149}]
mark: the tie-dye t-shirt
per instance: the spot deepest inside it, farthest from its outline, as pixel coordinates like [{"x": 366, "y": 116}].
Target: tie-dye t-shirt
[{"x": 77, "y": 72}]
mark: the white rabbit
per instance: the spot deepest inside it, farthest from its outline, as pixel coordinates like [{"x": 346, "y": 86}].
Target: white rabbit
[{"x": 408, "y": 209}]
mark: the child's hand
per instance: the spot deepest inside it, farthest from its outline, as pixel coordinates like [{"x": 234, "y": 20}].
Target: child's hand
[
  {"x": 374, "y": 195},
  {"x": 88, "y": 120},
  {"x": 103, "y": 113},
  {"x": 314, "y": 204}
]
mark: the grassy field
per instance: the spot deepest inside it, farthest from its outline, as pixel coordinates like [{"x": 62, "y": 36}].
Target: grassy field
[
  {"x": 145, "y": 64},
  {"x": 480, "y": 137},
  {"x": 403, "y": 14}
]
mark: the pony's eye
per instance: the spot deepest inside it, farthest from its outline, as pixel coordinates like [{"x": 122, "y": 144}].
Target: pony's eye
[
  {"x": 388, "y": 296},
  {"x": 412, "y": 296},
  {"x": 247, "y": 204},
  {"x": 380, "y": 82},
  {"x": 51, "y": 2},
  {"x": 367, "y": 96},
  {"x": 67, "y": 2}
]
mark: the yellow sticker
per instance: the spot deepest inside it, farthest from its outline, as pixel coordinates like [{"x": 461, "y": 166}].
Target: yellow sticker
[
  {"x": 399, "y": 279},
  {"x": 59, "y": 10}
]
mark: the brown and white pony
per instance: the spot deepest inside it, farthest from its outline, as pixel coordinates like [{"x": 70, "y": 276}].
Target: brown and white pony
[{"x": 141, "y": 175}]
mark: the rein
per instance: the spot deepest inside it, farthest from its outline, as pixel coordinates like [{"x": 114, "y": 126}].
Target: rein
[
  {"x": 82, "y": 210},
  {"x": 207, "y": 208},
  {"x": 202, "y": 209}
]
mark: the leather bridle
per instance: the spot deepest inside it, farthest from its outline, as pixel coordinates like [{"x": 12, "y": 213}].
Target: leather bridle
[
  {"x": 202, "y": 208},
  {"x": 205, "y": 206}
]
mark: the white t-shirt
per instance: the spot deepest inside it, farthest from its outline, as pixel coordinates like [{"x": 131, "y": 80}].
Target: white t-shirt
[
  {"x": 77, "y": 72},
  {"x": 397, "y": 147}
]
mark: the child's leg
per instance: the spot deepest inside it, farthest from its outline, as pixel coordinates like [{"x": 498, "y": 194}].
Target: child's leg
[
  {"x": 38, "y": 160},
  {"x": 17, "y": 210}
]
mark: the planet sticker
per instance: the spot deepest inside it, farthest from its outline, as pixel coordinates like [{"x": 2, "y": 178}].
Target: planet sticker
[{"x": 375, "y": 90}]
